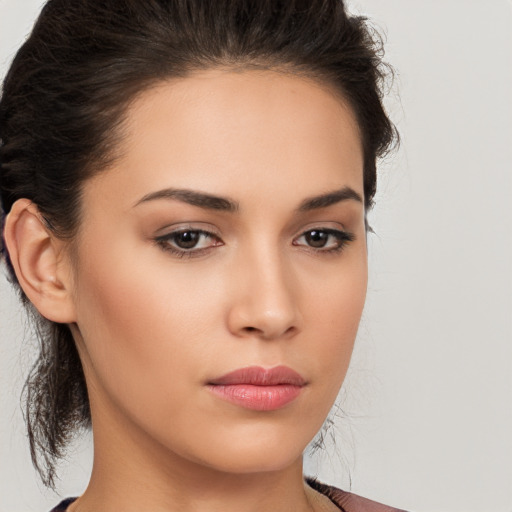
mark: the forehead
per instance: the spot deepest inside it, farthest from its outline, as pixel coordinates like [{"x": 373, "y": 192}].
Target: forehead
[{"x": 233, "y": 133}]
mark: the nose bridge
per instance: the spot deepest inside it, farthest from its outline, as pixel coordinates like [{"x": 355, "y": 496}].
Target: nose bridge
[{"x": 266, "y": 301}]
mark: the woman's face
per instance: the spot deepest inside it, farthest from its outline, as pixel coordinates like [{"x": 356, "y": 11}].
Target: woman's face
[{"x": 229, "y": 234}]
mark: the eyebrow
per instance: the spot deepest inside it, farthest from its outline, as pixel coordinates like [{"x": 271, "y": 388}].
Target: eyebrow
[
  {"x": 200, "y": 199},
  {"x": 213, "y": 202},
  {"x": 329, "y": 199}
]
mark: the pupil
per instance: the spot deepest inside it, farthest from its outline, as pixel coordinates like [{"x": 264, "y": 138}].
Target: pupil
[
  {"x": 187, "y": 239},
  {"x": 317, "y": 238}
]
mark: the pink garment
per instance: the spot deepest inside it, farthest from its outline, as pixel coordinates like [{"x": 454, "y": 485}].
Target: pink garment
[{"x": 348, "y": 502}]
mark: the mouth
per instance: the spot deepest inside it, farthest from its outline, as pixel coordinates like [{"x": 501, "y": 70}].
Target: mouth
[{"x": 259, "y": 389}]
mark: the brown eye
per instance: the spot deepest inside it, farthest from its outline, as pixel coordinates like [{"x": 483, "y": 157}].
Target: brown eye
[
  {"x": 316, "y": 238},
  {"x": 186, "y": 239},
  {"x": 188, "y": 242},
  {"x": 324, "y": 240}
]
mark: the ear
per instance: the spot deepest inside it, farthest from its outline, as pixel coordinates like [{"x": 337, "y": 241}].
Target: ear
[{"x": 40, "y": 262}]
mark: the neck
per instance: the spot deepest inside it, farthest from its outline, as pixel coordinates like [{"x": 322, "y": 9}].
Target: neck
[{"x": 132, "y": 472}]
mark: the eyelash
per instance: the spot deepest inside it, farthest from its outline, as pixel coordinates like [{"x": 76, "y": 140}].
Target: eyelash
[{"x": 343, "y": 238}]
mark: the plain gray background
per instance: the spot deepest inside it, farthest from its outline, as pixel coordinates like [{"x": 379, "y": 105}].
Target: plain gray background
[{"x": 426, "y": 412}]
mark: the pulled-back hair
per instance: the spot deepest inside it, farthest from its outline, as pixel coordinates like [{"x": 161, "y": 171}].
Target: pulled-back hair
[{"x": 62, "y": 108}]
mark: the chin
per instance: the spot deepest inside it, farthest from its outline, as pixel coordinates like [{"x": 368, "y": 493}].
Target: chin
[
  {"x": 261, "y": 461},
  {"x": 255, "y": 452}
]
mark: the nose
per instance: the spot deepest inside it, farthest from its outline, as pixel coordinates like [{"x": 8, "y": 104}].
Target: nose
[{"x": 265, "y": 301}]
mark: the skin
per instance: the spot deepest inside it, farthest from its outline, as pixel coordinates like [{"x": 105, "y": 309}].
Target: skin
[{"x": 154, "y": 327}]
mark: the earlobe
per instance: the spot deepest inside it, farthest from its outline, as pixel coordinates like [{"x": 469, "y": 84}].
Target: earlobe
[{"x": 37, "y": 257}]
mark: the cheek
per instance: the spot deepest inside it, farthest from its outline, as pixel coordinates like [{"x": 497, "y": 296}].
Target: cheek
[
  {"x": 333, "y": 317},
  {"x": 141, "y": 342}
]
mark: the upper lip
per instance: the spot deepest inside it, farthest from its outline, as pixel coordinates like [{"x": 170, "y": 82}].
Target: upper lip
[{"x": 258, "y": 376}]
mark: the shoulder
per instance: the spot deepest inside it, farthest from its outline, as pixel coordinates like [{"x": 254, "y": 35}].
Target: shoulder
[
  {"x": 63, "y": 505},
  {"x": 347, "y": 501}
]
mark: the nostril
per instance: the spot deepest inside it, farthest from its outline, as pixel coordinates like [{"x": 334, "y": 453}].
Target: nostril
[{"x": 269, "y": 333}]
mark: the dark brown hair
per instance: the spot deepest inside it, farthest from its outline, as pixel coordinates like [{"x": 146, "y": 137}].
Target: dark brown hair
[{"x": 62, "y": 107}]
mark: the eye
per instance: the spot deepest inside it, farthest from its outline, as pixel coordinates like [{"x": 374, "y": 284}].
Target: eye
[
  {"x": 188, "y": 239},
  {"x": 324, "y": 240},
  {"x": 188, "y": 242}
]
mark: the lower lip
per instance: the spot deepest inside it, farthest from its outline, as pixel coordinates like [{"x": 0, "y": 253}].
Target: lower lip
[{"x": 257, "y": 398}]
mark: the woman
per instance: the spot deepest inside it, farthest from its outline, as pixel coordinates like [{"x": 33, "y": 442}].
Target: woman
[{"x": 184, "y": 189}]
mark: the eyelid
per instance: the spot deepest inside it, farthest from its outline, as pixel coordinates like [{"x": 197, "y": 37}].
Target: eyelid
[{"x": 176, "y": 227}]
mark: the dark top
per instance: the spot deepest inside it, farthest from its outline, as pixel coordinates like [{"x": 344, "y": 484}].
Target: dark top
[{"x": 345, "y": 501}]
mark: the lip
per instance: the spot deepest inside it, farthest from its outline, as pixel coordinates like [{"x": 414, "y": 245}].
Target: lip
[{"x": 258, "y": 388}]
